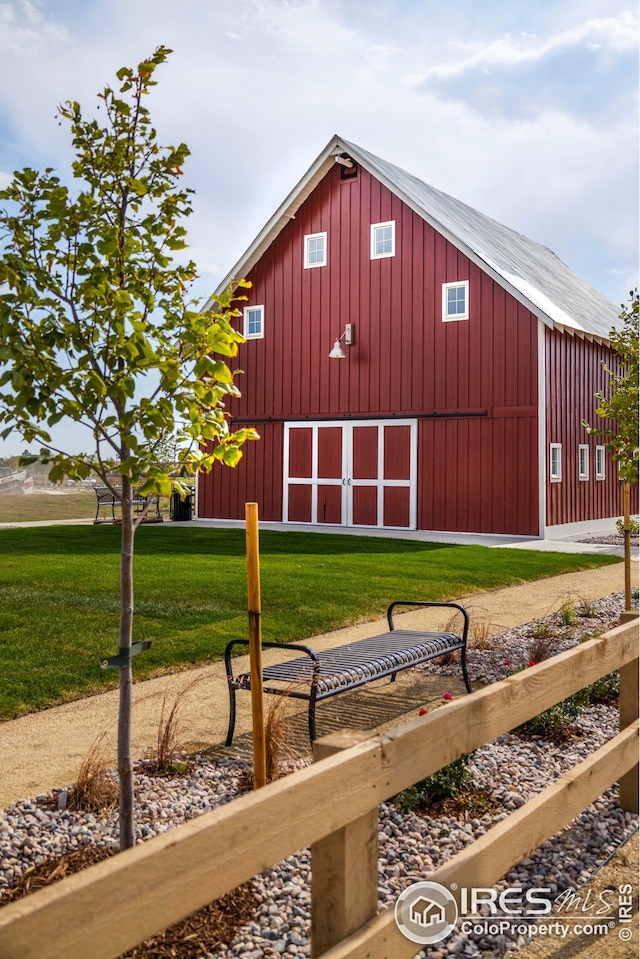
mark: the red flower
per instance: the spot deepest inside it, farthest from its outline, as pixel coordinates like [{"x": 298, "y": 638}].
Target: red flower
[
  {"x": 532, "y": 662},
  {"x": 447, "y": 696},
  {"x": 507, "y": 662},
  {"x": 423, "y": 711}
]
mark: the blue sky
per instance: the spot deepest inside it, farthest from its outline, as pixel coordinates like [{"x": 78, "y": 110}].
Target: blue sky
[{"x": 527, "y": 111}]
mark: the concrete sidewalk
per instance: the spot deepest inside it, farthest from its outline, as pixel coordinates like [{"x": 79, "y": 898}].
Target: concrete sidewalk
[{"x": 44, "y": 750}]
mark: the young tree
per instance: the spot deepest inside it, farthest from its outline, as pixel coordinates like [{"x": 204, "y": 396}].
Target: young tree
[
  {"x": 96, "y": 326},
  {"x": 621, "y": 411}
]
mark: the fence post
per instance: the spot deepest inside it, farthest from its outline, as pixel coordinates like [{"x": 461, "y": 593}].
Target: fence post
[
  {"x": 629, "y": 710},
  {"x": 344, "y": 866}
]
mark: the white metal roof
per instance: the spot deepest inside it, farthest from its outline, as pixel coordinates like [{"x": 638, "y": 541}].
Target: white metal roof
[{"x": 531, "y": 272}]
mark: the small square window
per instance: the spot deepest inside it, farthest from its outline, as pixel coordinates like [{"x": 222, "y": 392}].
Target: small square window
[
  {"x": 383, "y": 239},
  {"x": 253, "y": 322},
  {"x": 555, "y": 462},
  {"x": 583, "y": 462},
  {"x": 455, "y": 301},
  {"x": 315, "y": 250},
  {"x": 600, "y": 463}
]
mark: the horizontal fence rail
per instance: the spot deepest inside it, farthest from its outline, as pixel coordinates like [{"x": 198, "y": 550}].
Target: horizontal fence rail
[{"x": 118, "y": 903}]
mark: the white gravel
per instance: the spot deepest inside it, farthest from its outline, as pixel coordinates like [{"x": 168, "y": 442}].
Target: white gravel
[{"x": 410, "y": 846}]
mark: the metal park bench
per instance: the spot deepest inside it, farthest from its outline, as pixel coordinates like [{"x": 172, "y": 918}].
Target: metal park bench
[
  {"x": 317, "y": 676},
  {"x": 112, "y": 498}
]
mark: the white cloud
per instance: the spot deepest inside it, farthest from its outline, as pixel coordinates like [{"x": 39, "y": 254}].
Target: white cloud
[
  {"x": 615, "y": 35},
  {"x": 525, "y": 116}
]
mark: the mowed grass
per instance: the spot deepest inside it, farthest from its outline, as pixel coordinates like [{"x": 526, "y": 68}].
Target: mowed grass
[
  {"x": 38, "y": 506},
  {"x": 59, "y": 595},
  {"x": 54, "y": 506}
]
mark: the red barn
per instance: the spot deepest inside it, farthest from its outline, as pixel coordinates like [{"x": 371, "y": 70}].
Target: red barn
[{"x": 413, "y": 364}]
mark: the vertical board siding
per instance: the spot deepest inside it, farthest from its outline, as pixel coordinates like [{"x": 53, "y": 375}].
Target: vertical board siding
[
  {"x": 579, "y": 364},
  {"x": 256, "y": 479},
  {"x": 405, "y": 361}
]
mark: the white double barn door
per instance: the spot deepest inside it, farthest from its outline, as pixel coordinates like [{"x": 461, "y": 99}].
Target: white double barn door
[{"x": 356, "y": 473}]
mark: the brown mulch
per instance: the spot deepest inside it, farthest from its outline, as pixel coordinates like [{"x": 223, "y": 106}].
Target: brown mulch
[
  {"x": 196, "y": 935},
  {"x": 469, "y": 804}
]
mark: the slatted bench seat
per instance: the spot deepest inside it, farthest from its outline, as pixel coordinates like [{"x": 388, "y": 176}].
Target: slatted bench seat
[
  {"x": 113, "y": 498},
  {"x": 317, "y": 676}
]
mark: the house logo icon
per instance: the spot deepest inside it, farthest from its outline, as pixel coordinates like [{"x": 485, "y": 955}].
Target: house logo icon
[{"x": 426, "y": 912}]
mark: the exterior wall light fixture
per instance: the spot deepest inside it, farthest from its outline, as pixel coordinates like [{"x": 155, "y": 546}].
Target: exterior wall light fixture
[{"x": 337, "y": 353}]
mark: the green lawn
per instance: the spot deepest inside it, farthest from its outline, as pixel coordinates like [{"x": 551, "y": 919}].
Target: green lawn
[
  {"x": 38, "y": 506},
  {"x": 59, "y": 595}
]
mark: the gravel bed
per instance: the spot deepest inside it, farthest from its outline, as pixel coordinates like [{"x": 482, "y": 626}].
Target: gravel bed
[{"x": 513, "y": 769}]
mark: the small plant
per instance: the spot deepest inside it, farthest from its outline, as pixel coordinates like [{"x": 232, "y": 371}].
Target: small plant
[
  {"x": 588, "y": 608},
  {"x": 447, "y": 783},
  {"x": 166, "y": 761},
  {"x": 481, "y": 636},
  {"x": 542, "y": 629},
  {"x": 568, "y": 614},
  {"x": 275, "y": 736},
  {"x": 605, "y": 691},
  {"x": 554, "y": 723},
  {"x": 541, "y": 649},
  {"x": 634, "y": 526},
  {"x": 95, "y": 789}
]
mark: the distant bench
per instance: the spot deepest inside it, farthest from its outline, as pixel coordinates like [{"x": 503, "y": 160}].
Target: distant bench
[
  {"x": 110, "y": 499},
  {"x": 317, "y": 676}
]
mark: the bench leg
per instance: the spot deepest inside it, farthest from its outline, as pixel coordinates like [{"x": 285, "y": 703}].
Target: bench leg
[
  {"x": 312, "y": 716},
  {"x": 232, "y": 715},
  {"x": 463, "y": 660}
]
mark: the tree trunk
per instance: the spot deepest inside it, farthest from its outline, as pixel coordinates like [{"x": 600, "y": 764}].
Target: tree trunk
[
  {"x": 125, "y": 765},
  {"x": 627, "y": 545}
]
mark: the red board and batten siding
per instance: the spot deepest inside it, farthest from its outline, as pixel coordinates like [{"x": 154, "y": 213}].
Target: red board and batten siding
[
  {"x": 579, "y": 364},
  {"x": 472, "y": 384}
]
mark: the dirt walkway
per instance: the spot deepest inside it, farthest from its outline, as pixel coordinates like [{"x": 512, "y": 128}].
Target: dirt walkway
[{"x": 44, "y": 750}]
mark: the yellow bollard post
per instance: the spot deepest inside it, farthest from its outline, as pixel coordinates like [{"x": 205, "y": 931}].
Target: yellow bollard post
[{"x": 255, "y": 646}]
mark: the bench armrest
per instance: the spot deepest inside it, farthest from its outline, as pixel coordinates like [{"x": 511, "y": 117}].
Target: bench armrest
[
  {"x": 456, "y": 606},
  {"x": 274, "y": 644}
]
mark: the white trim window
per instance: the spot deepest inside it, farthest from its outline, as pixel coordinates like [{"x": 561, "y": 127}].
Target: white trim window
[
  {"x": 583, "y": 461},
  {"x": 315, "y": 250},
  {"x": 555, "y": 462},
  {"x": 253, "y": 322},
  {"x": 455, "y": 301},
  {"x": 383, "y": 239},
  {"x": 600, "y": 463}
]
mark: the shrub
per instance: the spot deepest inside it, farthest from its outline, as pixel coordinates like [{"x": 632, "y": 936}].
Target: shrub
[
  {"x": 447, "y": 783},
  {"x": 567, "y": 614},
  {"x": 605, "y": 690},
  {"x": 634, "y": 526},
  {"x": 553, "y": 723}
]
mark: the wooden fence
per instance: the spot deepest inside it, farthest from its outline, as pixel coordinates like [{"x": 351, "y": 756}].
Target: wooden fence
[{"x": 332, "y": 805}]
